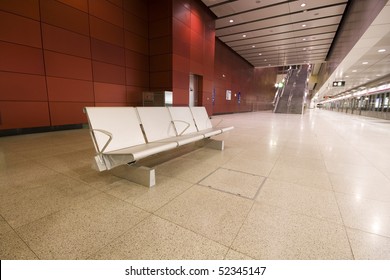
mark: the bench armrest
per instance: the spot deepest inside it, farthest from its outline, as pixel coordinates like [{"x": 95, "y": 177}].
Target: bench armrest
[
  {"x": 108, "y": 141},
  {"x": 188, "y": 125}
]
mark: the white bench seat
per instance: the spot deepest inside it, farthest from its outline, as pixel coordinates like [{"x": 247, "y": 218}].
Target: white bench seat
[
  {"x": 124, "y": 135},
  {"x": 159, "y": 126},
  {"x": 204, "y": 124}
]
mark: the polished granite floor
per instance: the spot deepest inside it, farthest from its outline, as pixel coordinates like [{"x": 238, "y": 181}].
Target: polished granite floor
[{"x": 315, "y": 186}]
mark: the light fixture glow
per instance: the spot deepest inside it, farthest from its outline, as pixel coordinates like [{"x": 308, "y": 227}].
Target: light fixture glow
[
  {"x": 365, "y": 62},
  {"x": 303, "y": 5},
  {"x": 381, "y": 50},
  {"x": 231, "y": 21},
  {"x": 244, "y": 36}
]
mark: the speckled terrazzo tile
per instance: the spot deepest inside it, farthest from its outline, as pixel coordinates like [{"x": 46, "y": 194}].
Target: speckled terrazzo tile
[
  {"x": 164, "y": 191},
  {"x": 365, "y": 214},
  {"x": 270, "y": 155},
  {"x": 211, "y": 213},
  {"x": 74, "y": 164},
  {"x": 301, "y": 176},
  {"x": 369, "y": 188},
  {"x": 357, "y": 170},
  {"x": 149, "y": 199},
  {"x": 274, "y": 233},
  {"x": 314, "y": 164},
  {"x": 4, "y": 226},
  {"x": 158, "y": 239},
  {"x": 24, "y": 175},
  {"x": 251, "y": 166},
  {"x": 312, "y": 152},
  {"x": 234, "y": 182},
  {"x": 79, "y": 231},
  {"x": 211, "y": 156},
  {"x": 317, "y": 203},
  {"x": 99, "y": 180},
  {"x": 13, "y": 248},
  {"x": 234, "y": 255},
  {"x": 368, "y": 246},
  {"x": 191, "y": 171},
  {"x": 22, "y": 207}
]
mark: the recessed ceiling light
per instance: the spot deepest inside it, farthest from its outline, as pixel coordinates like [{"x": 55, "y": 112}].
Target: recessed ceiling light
[
  {"x": 303, "y": 25},
  {"x": 244, "y": 36},
  {"x": 354, "y": 71},
  {"x": 365, "y": 62},
  {"x": 253, "y": 46},
  {"x": 378, "y": 75},
  {"x": 303, "y": 5},
  {"x": 346, "y": 76},
  {"x": 304, "y": 49},
  {"x": 259, "y": 53},
  {"x": 231, "y": 21},
  {"x": 381, "y": 50},
  {"x": 265, "y": 59}
]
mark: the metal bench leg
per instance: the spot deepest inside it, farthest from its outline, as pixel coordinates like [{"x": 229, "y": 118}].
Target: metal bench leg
[
  {"x": 138, "y": 174},
  {"x": 215, "y": 144}
]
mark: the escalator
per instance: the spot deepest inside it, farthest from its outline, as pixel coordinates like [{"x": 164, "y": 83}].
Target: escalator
[{"x": 290, "y": 99}]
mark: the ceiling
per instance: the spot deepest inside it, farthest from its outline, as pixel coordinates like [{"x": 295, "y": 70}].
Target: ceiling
[
  {"x": 367, "y": 64},
  {"x": 278, "y": 33}
]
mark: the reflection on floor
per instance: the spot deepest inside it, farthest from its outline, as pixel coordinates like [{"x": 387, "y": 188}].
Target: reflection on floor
[{"x": 315, "y": 186}]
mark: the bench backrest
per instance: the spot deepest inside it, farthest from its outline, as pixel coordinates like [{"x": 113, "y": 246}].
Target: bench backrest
[
  {"x": 201, "y": 118},
  {"x": 121, "y": 122},
  {"x": 156, "y": 122},
  {"x": 182, "y": 118}
]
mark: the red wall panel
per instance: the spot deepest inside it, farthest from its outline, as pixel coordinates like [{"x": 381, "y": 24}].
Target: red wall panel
[
  {"x": 62, "y": 15},
  {"x": 64, "y": 41},
  {"x": 20, "y": 30},
  {"x": 161, "y": 45},
  {"x": 63, "y": 113},
  {"x": 23, "y": 114},
  {"x": 137, "y": 8},
  {"x": 17, "y": 86},
  {"x": 61, "y": 89},
  {"x": 106, "y": 11},
  {"x": 27, "y": 8},
  {"x": 109, "y": 73},
  {"x": 106, "y": 52},
  {"x": 137, "y": 78},
  {"x": 181, "y": 80},
  {"x": 136, "y": 43},
  {"x": 23, "y": 59},
  {"x": 110, "y": 93},
  {"x": 134, "y": 95},
  {"x": 162, "y": 62},
  {"x": 135, "y": 24},
  {"x": 82, "y": 60},
  {"x": 137, "y": 61},
  {"x": 106, "y": 32},
  {"x": 78, "y": 4},
  {"x": 67, "y": 66}
]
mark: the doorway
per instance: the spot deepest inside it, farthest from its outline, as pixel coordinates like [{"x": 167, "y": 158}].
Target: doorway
[{"x": 195, "y": 90}]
